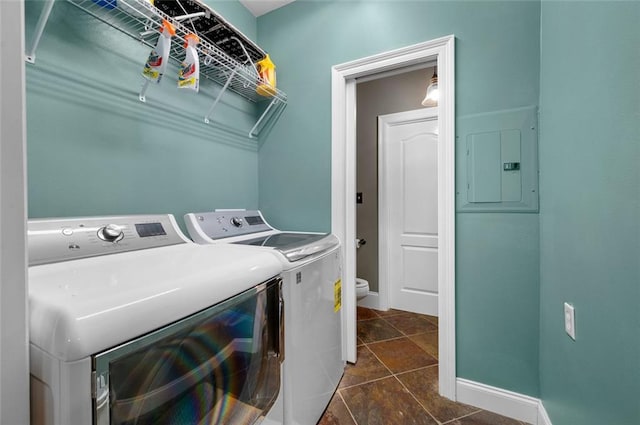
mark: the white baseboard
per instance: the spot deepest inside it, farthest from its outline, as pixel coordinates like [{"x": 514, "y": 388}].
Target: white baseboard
[
  {"x": 543, "y": 417},
  {"x": 370, "y": 301},
  {"x": 504, "y": 402}
]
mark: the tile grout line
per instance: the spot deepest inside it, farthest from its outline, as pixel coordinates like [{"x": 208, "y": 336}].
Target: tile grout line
[
  {"x": 347, "y": 407},
  {"x": 405, "y": 333},
  {"x": 366, "y": 382},
  {"x": 380, "y": 360},
  {"x": 417, "y": 401},
  {"x": 462, "y": 417},
  {"x": 391, "y": 324},
  {"x": 393, "y": 374},
  {"x": 369, "y": 319},
  {"x": 410, "y": 340},
  {"x": 417, "y": 369},
  {"x": 385, "y": 340},
  {"x": 367, "y": 345},
  {"x": 424, "y": 407},
  {"x": 376, "y": 379}
]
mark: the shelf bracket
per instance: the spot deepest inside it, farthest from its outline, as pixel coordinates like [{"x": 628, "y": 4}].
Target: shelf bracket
[
  {"x": 215, "y": 102},
  {"x": 274, "y": 101},
  {"x": 253, "y": 65},
  {"x": 143, "y": 91},
  {"x": 42, "y": 22}
]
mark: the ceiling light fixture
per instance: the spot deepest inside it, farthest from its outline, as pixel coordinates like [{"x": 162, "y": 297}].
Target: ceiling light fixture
[{"x": 431, "y": 98}]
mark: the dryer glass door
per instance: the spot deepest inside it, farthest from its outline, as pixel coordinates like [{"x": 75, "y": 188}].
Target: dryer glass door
[{"x": 220, "y": 366}]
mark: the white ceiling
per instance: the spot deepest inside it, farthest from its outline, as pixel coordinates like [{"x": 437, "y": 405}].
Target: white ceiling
[{"x": 260, "y": 7}]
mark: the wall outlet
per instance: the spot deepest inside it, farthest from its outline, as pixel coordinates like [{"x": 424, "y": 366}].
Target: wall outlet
[{"x": 570, "y": 320}]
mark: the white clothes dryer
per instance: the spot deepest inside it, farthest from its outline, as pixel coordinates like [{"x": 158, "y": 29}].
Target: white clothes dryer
[
  {"x": 313, "y": 363},
  {"x": 130, "y": 322}
]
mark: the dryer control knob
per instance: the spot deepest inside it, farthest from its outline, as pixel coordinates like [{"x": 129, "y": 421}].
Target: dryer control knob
[
  {"x": 110, "y": 233},
  {"x": 236, "y": 221}
]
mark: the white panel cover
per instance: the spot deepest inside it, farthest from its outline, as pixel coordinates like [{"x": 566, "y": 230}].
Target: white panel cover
[{"x": 484, "y": 167}]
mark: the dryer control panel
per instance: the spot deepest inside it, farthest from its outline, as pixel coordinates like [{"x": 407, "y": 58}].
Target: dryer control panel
[
  {"x": 62, "y": 239},
  {"x": 221, "y": 224}
]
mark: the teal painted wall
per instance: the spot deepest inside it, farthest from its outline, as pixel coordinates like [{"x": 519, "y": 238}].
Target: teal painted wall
[
  {"x": 497, "y": 300},
  {"x": 95, "y": 149},
  {"x": 497, "y": 67},
  {"x": 590, "y": 209}
]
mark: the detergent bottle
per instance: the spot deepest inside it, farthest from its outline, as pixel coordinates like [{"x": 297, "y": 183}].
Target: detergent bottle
[
  {"x": 189, "y": 75},
  {"x": 267, "y": 81},
  {"x": 159, "y": 57}
]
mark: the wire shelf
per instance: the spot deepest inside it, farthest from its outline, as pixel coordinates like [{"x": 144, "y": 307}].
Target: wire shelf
[
  {"x": 227, "y": 57},
  {"x": 225, "y": 53}
]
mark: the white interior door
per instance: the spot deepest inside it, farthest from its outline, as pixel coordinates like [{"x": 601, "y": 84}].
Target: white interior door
[{"x": 408, "y": 143}]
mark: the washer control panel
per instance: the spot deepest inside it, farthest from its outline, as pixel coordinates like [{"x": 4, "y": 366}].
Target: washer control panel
[
  {"x": 221, "y": 224},
  {"x": 63, "y": 239}
]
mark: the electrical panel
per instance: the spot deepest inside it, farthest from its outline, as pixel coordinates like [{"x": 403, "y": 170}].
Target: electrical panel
[{"x": 497, "y": 161}]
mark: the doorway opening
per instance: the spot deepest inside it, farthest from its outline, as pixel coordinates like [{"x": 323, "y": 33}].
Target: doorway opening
[
  {"x": 343, "y": 209},
  {"x": 396, "y": 259}
]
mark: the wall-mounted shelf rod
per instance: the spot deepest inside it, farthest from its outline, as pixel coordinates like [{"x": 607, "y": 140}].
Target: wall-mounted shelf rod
[
  {"x": 189, "y": 16},
  {"x": 215, "y": 102},
  {"x": 226, "y": 85},
  {"x": 143, "y": 91},
  {"x": 42, "y": 21},
  {"x": 273, "y": 102},
  {"x": 253, "y": 65}
]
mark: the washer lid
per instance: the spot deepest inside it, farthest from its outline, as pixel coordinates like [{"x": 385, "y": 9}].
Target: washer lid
[
  {"x": 296, "y": 246},
  {"x": 82, "y": 307}
]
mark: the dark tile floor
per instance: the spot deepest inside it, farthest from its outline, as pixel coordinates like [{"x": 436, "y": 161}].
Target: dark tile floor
[{"x": 395, "y": 381}]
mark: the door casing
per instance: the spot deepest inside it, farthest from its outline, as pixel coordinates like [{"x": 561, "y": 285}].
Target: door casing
[
  {"x": 14, "y": 302},
  {"x": 343, "y": 186}
]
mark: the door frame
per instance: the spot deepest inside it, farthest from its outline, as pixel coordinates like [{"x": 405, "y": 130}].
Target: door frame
[
  {"x": 417, "y": 115},
  {"x": 14, "y": 324},
  {"x": 343, "y": 186}
]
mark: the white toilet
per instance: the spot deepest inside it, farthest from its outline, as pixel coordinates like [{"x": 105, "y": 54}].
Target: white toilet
[{"x": 362, "y": 288}]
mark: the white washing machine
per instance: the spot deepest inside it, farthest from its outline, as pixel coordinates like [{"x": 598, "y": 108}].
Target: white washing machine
[
  {"x": 313, "y": 364},
  {"x": 132, "y": 323}
]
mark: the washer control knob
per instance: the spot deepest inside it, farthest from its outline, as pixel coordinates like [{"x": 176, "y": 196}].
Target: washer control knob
[
  {"x": 110, "y": 233},
  {"x": 236, "y": 222}
]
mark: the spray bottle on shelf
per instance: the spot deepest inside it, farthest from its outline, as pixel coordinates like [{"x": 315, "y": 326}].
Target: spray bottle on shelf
[
  {"x": 159, "y": 57},
  {"x": 189, "y": 75}
]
